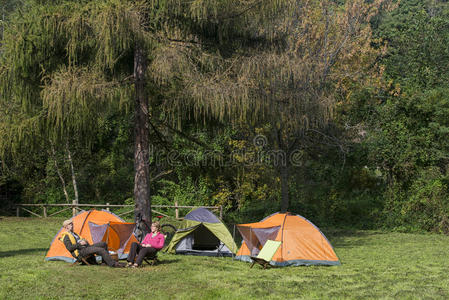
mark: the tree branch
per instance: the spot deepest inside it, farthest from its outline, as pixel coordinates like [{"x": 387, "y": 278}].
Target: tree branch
[
  {"x": 184, "y": 135},
  {"x": 159, "y": 135},
  {"x": 163, "y": 173}
]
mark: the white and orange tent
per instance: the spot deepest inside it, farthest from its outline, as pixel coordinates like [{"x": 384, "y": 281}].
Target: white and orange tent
[
  {"x": 302, "y": 242},
  {"x": 96, "y": 226}
]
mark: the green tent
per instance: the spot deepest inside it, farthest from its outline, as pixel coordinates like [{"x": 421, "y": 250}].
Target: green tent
[{"x": 202, "y": 233}]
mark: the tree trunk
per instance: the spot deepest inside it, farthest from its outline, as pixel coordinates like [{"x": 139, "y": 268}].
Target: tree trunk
[
  {"x": 61, "y": 178},
  {"x": 75, "y": 186},
  {"x": 141, "y": 143},
  {"x": 283, "y": 169}
]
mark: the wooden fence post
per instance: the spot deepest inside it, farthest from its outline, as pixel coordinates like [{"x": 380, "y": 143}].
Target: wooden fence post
[
  {"x": 45, "y": 211},
  {"x": 107, "y": 206},
  {"x": 18, "y": 211},
  {"x": 176, "y": 210}
]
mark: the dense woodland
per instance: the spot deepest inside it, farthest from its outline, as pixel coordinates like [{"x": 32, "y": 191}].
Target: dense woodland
[{"x": 335, "y": 110}]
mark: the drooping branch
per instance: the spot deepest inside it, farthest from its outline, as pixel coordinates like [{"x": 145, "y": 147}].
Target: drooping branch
[{"x": 73, "y": 98}]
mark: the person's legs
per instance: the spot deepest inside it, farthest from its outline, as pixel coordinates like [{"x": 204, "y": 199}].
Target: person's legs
[
  {"x": 92, "y": 260},
  {"x": 144, "y": 252},
  {"x": 99, "y": 251},
  {"x": 103, "y": 245},
  {"x": 135, "y": 248}
]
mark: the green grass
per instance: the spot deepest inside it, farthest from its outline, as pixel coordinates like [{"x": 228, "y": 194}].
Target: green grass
[{"x": 374, "y": 265}]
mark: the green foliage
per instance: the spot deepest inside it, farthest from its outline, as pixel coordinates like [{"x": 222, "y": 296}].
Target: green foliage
[
  {"x": 186, "y": 192},
  {"x": 417, "y": 33},
  {"x": 428, "y": 207},
  {"x": 408, "y": 128},
  {"x": 337, "y": 189},
  {"x": 223, "y": 171},
  {"x": 412, "y": 133},
  {"x": 424, "y": 206},
  {"x": 411, "y": 139},
  {"x": 378, "y": 158}
]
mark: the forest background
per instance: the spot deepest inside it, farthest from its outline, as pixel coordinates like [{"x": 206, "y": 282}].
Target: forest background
[{"x": 380, "y": 161}]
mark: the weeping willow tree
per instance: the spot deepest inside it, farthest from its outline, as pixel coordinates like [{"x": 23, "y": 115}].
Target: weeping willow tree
[
  {"x": 66, "y": 63},
  {"x": 296, "y": 63}
]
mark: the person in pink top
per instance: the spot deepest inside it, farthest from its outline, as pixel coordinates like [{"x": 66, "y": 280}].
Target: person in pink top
[{"x": 153, "y": 242}]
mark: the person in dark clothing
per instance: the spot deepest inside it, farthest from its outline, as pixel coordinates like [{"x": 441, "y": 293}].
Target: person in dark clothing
[{"x": 79, "y": 247}]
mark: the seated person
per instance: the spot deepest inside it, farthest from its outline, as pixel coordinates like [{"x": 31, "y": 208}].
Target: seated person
[
  {"x": 79, "y": 247},
  {"x": 153, "y": 242}
]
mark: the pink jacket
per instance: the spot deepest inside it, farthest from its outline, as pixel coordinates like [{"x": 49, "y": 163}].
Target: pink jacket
[{"x": 156, "y": 242}]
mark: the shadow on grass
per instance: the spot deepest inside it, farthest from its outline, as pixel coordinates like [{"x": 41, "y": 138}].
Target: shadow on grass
[
  {"x": 167, "y": 261},
  {"x": 21, "y": 252},
  {"x": 159, "y": 262}
]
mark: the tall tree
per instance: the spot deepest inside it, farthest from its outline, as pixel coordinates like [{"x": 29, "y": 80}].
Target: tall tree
[
  {"x": 66, "y": 63},
  {"x": 296, "y": 63}
]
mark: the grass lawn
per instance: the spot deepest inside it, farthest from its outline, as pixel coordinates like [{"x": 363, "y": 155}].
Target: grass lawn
[{"x": 374, "y": 265}]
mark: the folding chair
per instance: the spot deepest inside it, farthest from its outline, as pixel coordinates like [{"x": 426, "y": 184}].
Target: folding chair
[
  {"x": 219, "y": 248},
  {"x": 84, "y": 260},
  {"x": 151, "y": 259},
  {"x": 87, "y": 260},
  {"x": 266, "y": 253}
]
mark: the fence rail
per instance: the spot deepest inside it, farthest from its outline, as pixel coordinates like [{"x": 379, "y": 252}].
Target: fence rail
[{"x": 76, "y": 207}]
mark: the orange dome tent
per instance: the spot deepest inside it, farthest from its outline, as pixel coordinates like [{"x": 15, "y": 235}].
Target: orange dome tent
[
  {"x": 95, "y": 226},
  {"x": 302, "y": 242}
]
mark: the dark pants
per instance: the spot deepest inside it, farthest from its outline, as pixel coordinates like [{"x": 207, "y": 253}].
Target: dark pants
[
  {"x": 141, "y": 252},
  {"x": 98, "y": 249}
]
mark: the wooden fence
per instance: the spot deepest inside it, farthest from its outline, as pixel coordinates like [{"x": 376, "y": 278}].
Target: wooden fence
[{"x": 76, "y": 207}]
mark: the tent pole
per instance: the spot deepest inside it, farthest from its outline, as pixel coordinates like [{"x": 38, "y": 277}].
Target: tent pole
[{"x": 107, "y": 234}]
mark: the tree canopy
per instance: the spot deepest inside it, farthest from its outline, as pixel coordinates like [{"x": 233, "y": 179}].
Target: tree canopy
[{"x": 162, "y": 100}]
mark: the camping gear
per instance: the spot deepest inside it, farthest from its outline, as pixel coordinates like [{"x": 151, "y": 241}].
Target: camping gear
[
  {"x": 202, "y": 233},
  {"x": 302, "y": 242},
  {"x": 95, "y": 226},
  {"x": 266, "y": 253}
]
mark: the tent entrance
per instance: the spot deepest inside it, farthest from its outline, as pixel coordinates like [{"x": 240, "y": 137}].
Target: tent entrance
[
  {"x": 202, "y": 233},
  {"x": 202, "y": 242},
  {"x": 203, "y": 239},
  {"x": 255, "y": 238}
]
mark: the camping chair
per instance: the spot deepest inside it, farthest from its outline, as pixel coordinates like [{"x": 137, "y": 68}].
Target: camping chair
[
  {"x": 151, "y": 259},
  {"x": 219, "y": 248},
  {"x": 266, "y": 253},
  {"x": 82, "y": 260}
]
